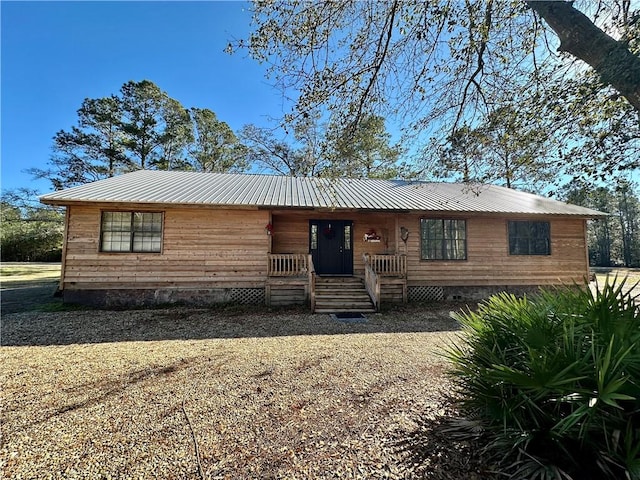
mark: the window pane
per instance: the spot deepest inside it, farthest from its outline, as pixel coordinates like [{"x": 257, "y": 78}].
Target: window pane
[
  {"x": 514, "y": 246},
  {"x": 116, "y": 241},
  {"x": 116, "y": 221},
  {"x": 116, "y": 232},
  {"x": 436, "y": 230},
  {"x": 434, "y": 252},
  {"x": 131, "y": 231},
  {"x": 147, "y": 231},
  {"x": 529, "y": 238},
  {"x": 462, "y": 249},
  {"x": 449, "y": 229},
  {"x": 456, "y": 249},
  {"x": 539, "y": 246},
  {"x": 147, "y": 222},
  {"x": 146, "y": 242},
  {"x": 443, "y": 239},
  {"x": 314, "y": 236},
  {"x": 428, "y": 231},
  {"x": 347, "y": 237}
]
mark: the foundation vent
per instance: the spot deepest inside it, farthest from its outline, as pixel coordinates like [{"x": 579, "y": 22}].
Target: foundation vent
[
  {"x": 247, "y": 296},
  {"x": 425, "y": 294}
]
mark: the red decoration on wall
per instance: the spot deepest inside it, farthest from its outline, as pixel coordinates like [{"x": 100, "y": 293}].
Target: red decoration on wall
[{"x": 269, "y": 229}]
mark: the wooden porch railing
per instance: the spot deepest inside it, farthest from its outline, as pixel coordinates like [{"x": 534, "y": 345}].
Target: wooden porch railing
[
  {"x": 387, "y": 265},
  {"x": 372, "y": 282},
  {"x": 296, "y": 268},
  {"x": 312, "y": 284},
  {"x": 289, "y": 264}
]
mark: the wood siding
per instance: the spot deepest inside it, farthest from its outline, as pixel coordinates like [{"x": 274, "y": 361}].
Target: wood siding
[
  {"x": 291, "y": 233},
  {"x": 220, "y": 248},
  {"x": 201, "y": 248},
  {"x": 489, "y": 263},
  {"x": 488, "y": 260}
]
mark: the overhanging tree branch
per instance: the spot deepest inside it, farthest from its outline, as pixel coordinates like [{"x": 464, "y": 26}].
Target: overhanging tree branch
[
  {"x": 381, "y": 55},
  {"x": 486, "y": 27},
  {"x": 580, "y": 37}
]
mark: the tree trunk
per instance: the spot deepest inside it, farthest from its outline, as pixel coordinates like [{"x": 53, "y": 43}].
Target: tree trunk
[
  {"x": 623, "y": 216},
  {"x": 507, "y": 170},
  {"x": 612, "y": 60}
]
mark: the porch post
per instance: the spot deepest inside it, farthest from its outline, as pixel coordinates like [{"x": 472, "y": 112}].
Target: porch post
[
  {"x": 270, "y": 222},
  {"x": 397, "y": 235},
  {"x": 267, "y": 284}
]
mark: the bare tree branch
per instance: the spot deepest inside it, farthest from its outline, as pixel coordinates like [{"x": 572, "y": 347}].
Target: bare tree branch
[{"x": 486, "y": 28}]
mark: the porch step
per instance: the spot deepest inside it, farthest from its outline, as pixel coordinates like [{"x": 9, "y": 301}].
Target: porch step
[{"x": 342, "y": 294}]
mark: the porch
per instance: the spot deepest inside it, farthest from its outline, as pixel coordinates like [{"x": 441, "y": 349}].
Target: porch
[{"x": 292, "y": 279}]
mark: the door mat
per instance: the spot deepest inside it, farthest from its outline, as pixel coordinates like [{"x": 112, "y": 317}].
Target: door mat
[{"x": 349, "y": 317}]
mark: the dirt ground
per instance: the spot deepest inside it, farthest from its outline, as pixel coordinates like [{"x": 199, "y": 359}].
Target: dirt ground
[{"x": 223, "y": 393}]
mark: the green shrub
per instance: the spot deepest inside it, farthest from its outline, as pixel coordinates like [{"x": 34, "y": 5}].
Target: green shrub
[{"x": 553, "y": 382}]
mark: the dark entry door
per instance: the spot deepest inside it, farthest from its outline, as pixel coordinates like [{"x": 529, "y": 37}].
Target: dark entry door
[{"x": 331, "y": 246}]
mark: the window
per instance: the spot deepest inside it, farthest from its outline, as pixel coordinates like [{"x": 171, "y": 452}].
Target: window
[
  {"x": 347, "y": 237},
  {"x": 443, "y": 239},
  {"x": 529, "y": 238},
  {"x": 131, "y": 232},
  {"x": 314, "y": 236}
]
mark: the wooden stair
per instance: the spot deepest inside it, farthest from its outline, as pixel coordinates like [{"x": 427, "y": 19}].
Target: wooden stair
[{"x": 342, "y": 294}]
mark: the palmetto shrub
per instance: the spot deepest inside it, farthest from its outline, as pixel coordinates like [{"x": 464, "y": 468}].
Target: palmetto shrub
[{"x": 553, "y": 382}]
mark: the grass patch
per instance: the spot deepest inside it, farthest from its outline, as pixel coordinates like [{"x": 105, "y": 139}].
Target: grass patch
[
  {"x": 13, "y": 271},
  {"x": 29, "y": 272}
]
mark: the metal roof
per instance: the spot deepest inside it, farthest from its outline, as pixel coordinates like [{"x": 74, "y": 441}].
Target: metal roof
[{"x": 247, "y": 190}]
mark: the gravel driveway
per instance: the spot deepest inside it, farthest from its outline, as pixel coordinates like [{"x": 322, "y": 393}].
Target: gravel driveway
[
  {"x": 226, "y": 393},
  {"x": 28, "y": 286},
  {"x": 30, "y": 297}
]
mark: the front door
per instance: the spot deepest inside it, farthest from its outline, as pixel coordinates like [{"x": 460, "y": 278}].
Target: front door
[{"x": 331, "y": 246}]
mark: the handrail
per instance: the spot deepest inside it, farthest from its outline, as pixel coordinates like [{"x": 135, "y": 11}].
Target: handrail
[
  {"x": 388, "y": 265},
  {"x": 312, "y": 284},
  {"x": 371, "y": 282},
  {"x": 288, "y": 264}
]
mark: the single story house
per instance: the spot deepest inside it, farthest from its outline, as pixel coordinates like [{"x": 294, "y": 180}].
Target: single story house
[{"x": 154, "y": 237}]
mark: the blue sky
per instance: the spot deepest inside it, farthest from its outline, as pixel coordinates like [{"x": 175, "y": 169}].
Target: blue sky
[{"x": 56, "y": 54}]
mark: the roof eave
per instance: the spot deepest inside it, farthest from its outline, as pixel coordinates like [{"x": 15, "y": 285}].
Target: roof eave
[{"x": 120, "y": 203}]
